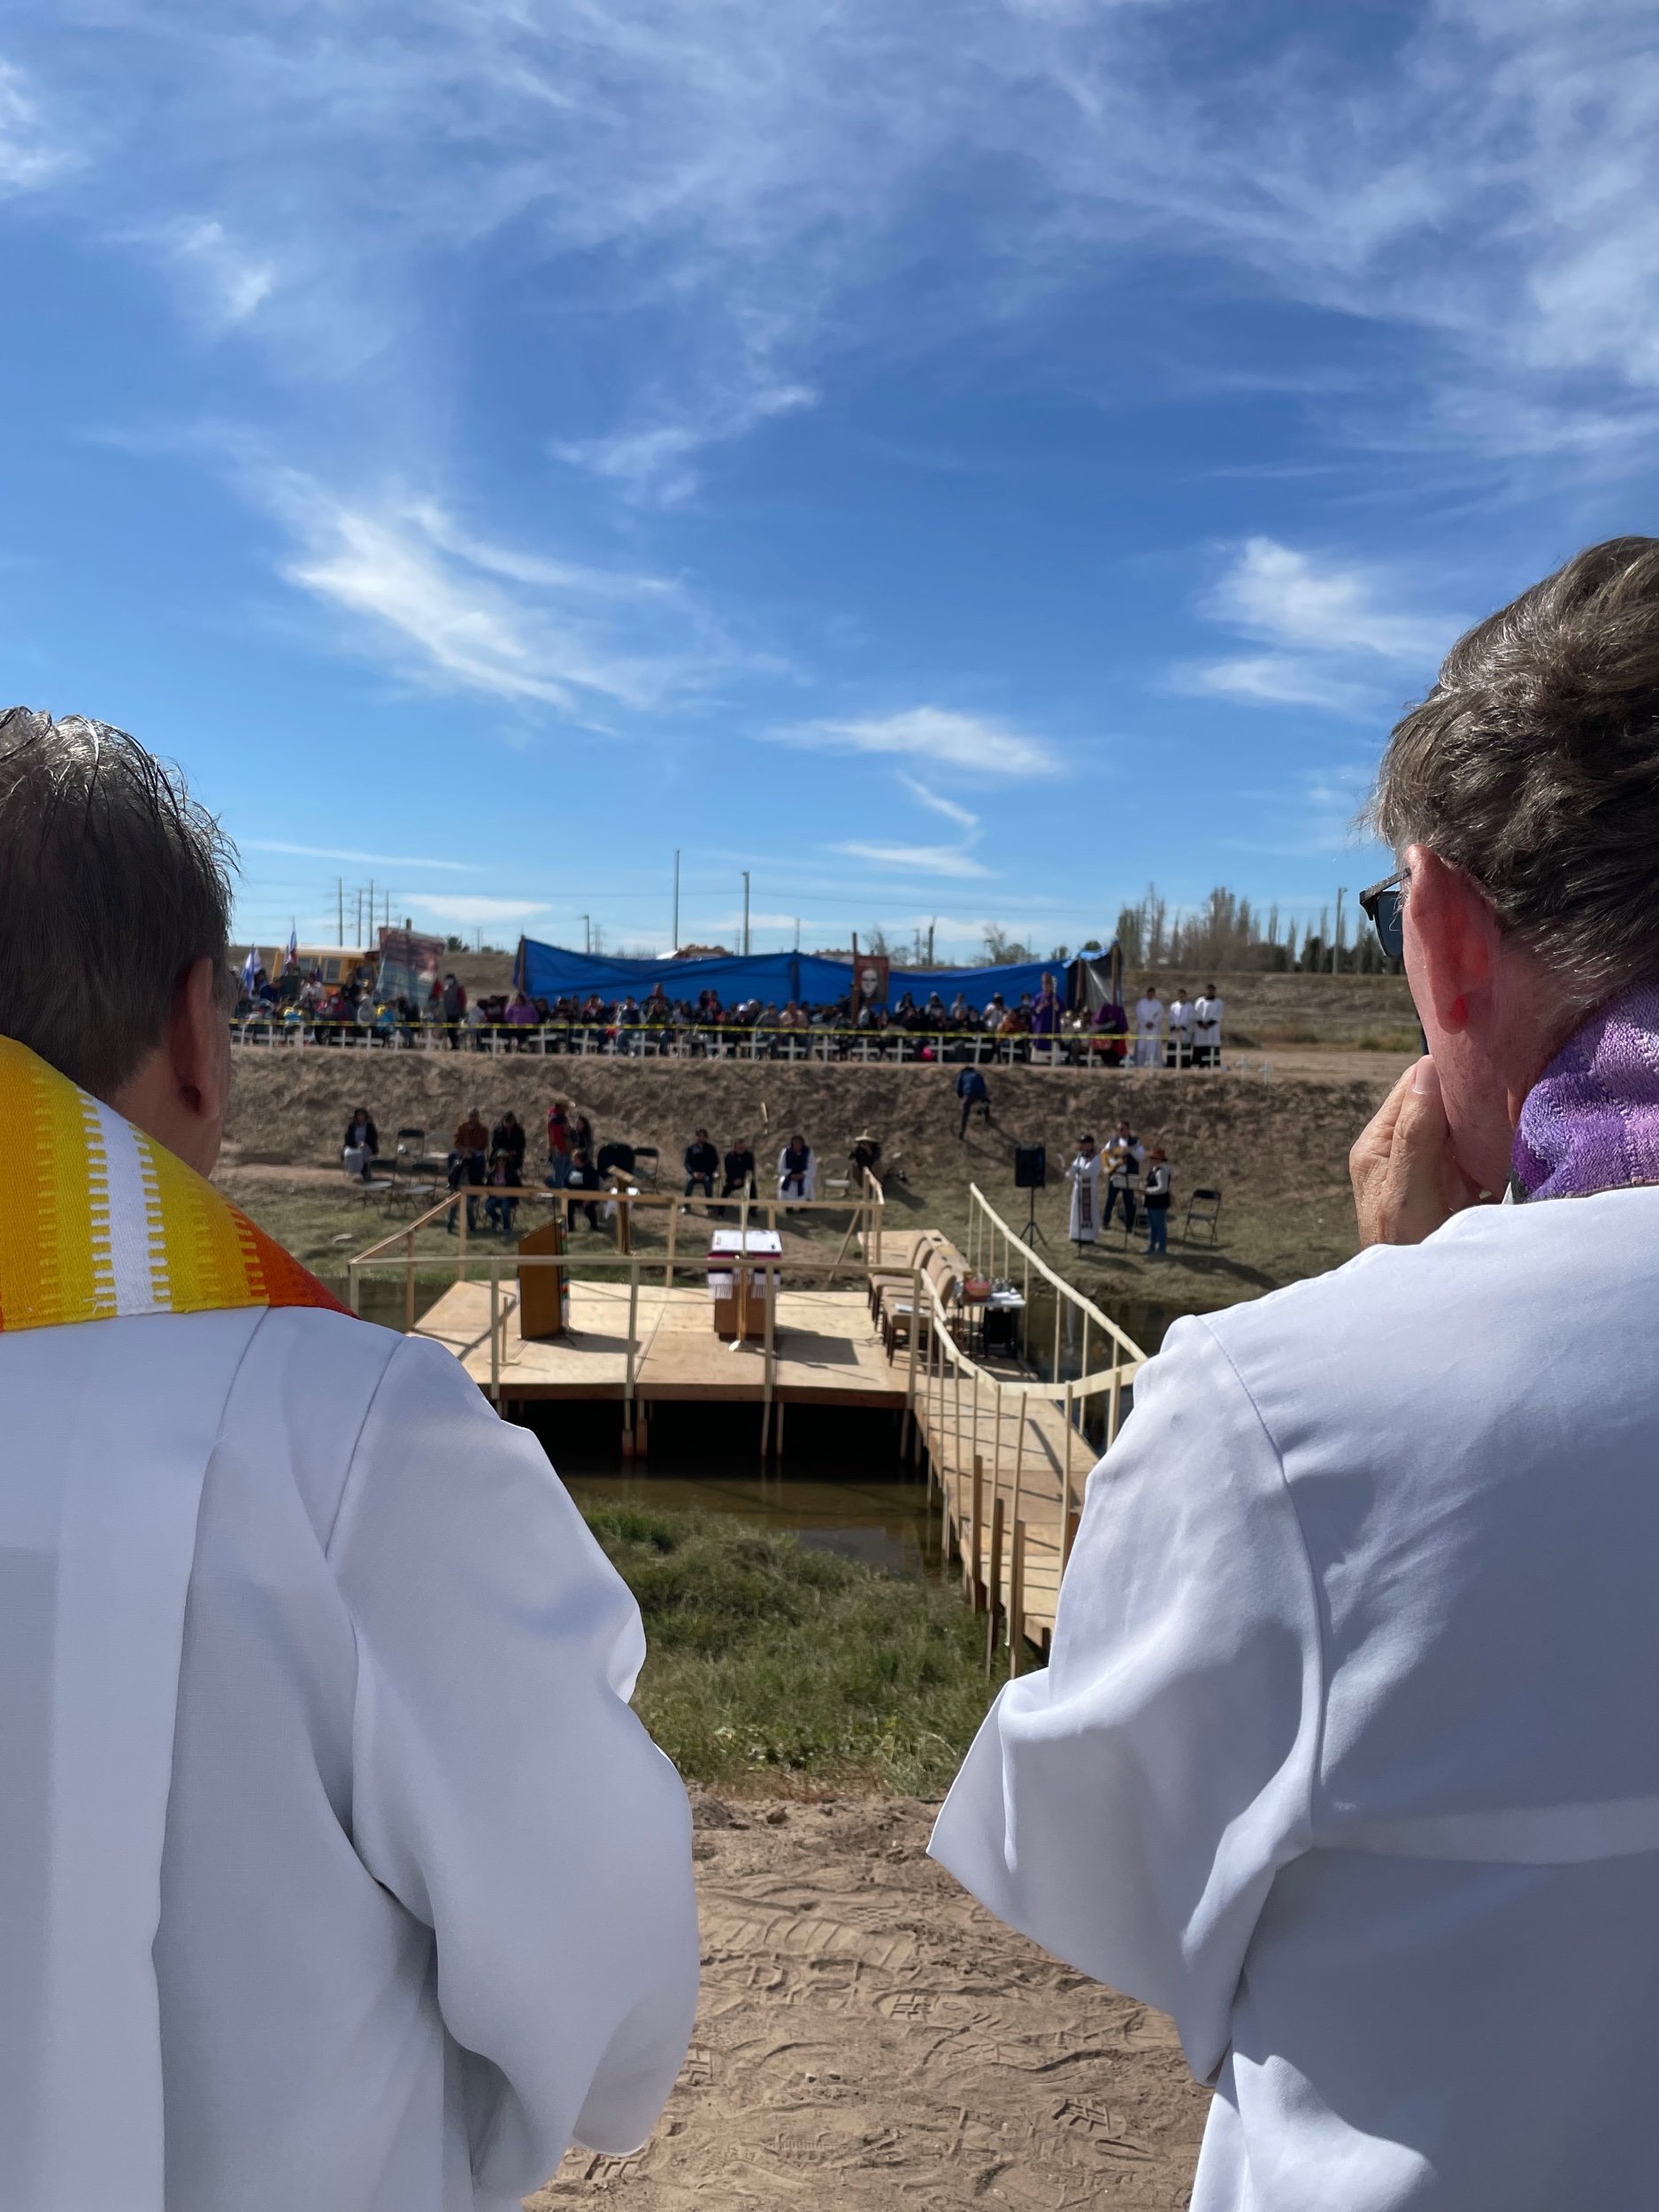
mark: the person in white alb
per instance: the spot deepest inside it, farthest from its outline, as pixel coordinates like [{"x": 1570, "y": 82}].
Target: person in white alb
[
  {"x": 1149, "y": 1028},
  {"x": 1084, "y": 1175},
  {"x": 1207, "y": 1013},
  {"x": 1345, "y": 1755},
  {"x": 337, "y": 1873},
  {"x": 1182, "y": 1016}
]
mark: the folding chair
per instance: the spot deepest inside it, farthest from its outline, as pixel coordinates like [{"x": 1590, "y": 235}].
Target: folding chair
[{"x": 1204, "y": 1205}]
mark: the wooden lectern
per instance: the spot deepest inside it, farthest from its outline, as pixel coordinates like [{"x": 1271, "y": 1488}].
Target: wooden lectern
[{"x": 543, "y": 1291}]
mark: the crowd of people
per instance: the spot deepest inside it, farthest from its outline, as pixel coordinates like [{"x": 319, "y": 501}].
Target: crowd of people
[
  {"x": 1028, "y": 1027},
  {"x": 1117, "y": 1170},
  {"x": 488, "y": 1159}
]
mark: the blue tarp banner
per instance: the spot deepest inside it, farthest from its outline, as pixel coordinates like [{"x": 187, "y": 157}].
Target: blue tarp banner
[{"x": 551, "y": 972}]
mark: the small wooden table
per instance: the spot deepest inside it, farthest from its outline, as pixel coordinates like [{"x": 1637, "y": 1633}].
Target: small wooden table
[{"x": 741, "y": 1294}]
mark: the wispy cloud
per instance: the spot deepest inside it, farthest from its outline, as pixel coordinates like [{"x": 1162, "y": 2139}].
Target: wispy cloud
[
  {"x": 30, "y": 152},
  {"x": 657, "y": 461},
  {"x": 459, "y": 611},
  {"x": 229, "y": 283},
  {"x": 1327, "y": 625},
  {"x": 963, "y": 817},
  {"x": 464, "y": 909},
  {"x": 931, "y": 734},
  {"x": 340, "y": 852},
  {"x": 1489, "y": 180},
  {"x": 927, "y": 860}
]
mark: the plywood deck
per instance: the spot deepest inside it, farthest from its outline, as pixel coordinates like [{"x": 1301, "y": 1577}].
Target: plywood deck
[{"x": 827, "y": 1350}]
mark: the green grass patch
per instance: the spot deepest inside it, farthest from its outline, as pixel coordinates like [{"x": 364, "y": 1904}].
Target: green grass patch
[{"x": 775, "y": 1667}]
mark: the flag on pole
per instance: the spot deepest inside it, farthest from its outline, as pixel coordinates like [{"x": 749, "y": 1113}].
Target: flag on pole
[
  {"x": 289, "y": 957},
  {"x": 251, "y": 969}
]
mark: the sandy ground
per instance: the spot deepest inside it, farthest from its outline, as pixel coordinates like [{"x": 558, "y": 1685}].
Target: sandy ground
[{"x": 868, "y": 2035}]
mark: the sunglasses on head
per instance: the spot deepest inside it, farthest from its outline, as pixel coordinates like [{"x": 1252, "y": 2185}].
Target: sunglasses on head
[{"x": 1383, "y": 906}]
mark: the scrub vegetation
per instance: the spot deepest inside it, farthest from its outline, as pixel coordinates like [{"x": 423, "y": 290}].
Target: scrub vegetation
[{"x": 779, "y": 1668}]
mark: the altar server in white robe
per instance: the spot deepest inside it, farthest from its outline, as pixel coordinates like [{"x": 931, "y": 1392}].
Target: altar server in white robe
[
  {"x": 1084, "y": 1175},
  {"x": 1182, "y": 1018},
  {"x": 1149, "y": 1028},
  {"x": 338, "y": 1876},
  {"x": 1206, "y": 1014},
  {"x": 1345, "y": 1757}
]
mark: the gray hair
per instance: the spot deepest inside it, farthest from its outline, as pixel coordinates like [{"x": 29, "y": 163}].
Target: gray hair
[
  {"x": 1532, "y": 766},
  {"x": 113, "y": 884}
]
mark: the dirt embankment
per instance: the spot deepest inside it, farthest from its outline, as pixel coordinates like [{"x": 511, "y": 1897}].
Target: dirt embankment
[{"x": 1277, "y": 1139}]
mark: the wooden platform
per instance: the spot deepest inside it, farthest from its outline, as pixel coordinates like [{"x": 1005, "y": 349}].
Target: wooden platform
[{"x": 827, "y": 1351}]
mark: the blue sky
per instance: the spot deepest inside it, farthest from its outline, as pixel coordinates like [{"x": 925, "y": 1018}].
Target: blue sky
[{"x": 957, "y": 459}]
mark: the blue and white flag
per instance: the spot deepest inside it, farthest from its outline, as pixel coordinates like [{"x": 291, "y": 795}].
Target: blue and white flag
[
  {"x": 251, "y": 969},
  {"x": 291, "y": 956}
]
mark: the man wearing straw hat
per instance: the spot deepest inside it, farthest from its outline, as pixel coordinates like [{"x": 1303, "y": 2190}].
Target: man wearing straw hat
[{"x": 338, "y": 1874}]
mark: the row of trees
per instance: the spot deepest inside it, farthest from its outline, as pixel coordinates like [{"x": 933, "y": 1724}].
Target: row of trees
[{"x": 1228, "y": 932}]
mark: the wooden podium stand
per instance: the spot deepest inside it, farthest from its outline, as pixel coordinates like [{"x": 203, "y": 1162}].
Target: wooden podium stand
[
  {"x": 543, "y": 1291},
  {"x": 741, "y": 1294}
]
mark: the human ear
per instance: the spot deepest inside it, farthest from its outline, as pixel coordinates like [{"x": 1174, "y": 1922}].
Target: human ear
[
  {"x": 198, "y": 1042},
  {"x": 1451, "y": 936}
]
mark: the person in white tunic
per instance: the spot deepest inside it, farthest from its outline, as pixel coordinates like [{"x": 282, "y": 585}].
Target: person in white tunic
[
  {"x": 1182, "y": 1017},
  {"x": 1345, "y": 1755},
  {"x": 1084, "y": 1175},
  {"x": 338, "y": 1875},
  {"x": 1206, "y": 1014},
  {"x": 1149, "y": 1028}
]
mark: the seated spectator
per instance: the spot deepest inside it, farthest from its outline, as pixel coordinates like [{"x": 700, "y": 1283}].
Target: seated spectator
[
  {"x": 702, "y": 1163},
  {"x": 361, "y": 1145},
  {"x": 468, "y": 1163},
  {"x": 740, "y": 1170},
  {"x": 962, "y": 1015},
  {"x": 520, "y": 1014},
  {"x": 797, "y": 1170},
  {"x": 1111, "y": 1031},
  {"x": 934, "y": 1014},
  {"x": 657, "y": 1010},
  {"x": 504, "y": 1174}
]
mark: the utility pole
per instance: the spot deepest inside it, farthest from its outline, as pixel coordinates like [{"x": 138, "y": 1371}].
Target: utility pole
[
  {"x": 340, "y": 918},
  {"x": 931, "y": 927},
  {"x": 798, "y": 932},
  {"x": 1336, "y": 941},
  {"x": 745, "y": 913},
  {"x": 676, "y": 898},
  {"x": 587, "y": 934}
]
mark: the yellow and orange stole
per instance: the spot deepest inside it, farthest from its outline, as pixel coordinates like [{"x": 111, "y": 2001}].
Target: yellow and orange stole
[{"x": 98, "y": 1222}]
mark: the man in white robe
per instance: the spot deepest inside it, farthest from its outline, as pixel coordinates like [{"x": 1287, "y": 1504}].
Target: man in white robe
[
  {"x": 1084, "y": 1175},
  {"x": 338, "y": 1875},
  {"x": 1207, "y": 1015},
  {"x": 1345, "y": 1755},
  {"x": 1149, "y": 1028},
  {"x": 1182, "y": 1017}
]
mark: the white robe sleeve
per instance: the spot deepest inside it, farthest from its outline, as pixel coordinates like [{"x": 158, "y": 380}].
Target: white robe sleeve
[
  {"x": 502, "y": 1789},
  {"x": 1129, "y": 1808}
]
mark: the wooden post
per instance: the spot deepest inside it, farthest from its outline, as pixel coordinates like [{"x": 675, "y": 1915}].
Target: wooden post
[
  {"x": 668, "y": 1265},
  {"x": 1116, "y": 1401},
  {"x": 1072, "y": 1522},
  {"x": 994, "y": 1608},
  {"x": 769, "y": 1381},
  {"x": 1066, "y": 1482},
  {"x": 353, "y": 1287},
  {"x": 494, "y": 1324},
  {"x": 1016, "y": 1599},
  {"x": 627, "y": 1373},
  {"x": 976, "y": 1527},
  {"x": 461, "y": 1204},
  {"x": 409, "y": 1281}
]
